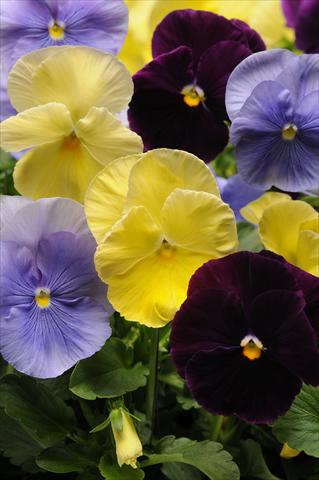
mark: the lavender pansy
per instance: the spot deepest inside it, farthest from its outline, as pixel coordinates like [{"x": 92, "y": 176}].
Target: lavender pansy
[
  {"x": 303, "y": 16},
  {"x": 53, "y": 309},
  {"x": 41, "y": 23},
  {"x": 245, "y": 339},
  {"x": 179, "y": 98},
  {"x": 272, "y": 99}
]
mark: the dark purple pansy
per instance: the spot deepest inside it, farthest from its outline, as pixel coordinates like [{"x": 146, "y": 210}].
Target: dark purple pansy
[
  {"x": 245, "y": 338},
  {"x": 303, "y": 16},
  {"x": 179, "y": 97}
]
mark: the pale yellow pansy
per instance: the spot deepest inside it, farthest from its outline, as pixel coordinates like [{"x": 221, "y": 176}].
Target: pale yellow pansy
[
  {"x": 166, "y": 220},
  {"x": 287, "y": 227},
  {"x": 67, "y": 98}
]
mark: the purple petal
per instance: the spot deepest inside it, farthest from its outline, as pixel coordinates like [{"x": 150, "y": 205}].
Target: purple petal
[
  {"x": 224, "y": 382},
  {"x": 253, "y": 39},
  {"x": 290, "y": 9},
  {"x": 279, "y": 321},
  {"x": 208, "y": 319},
  {"x": 307, "y": 26}
]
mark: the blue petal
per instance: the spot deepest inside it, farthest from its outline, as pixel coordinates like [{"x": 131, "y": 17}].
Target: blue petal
[{"x": 237, "y": 193}]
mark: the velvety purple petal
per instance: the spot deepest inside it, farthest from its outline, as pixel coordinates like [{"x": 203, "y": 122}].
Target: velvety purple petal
[
  {"x": 238, "y": 193},
  {"x": 290, "y": 9},
  {"x": 67, "y": 266},
  {"x": 46, "y": 342},
  {"x": 255, "y": 69},
  {"x": 278, "y": 320},
  {"x": 253, "y": 39},
  {"x": 195, "y": 29},
  {"x": 264, "y": 159},
  {"x": 307, "y": 26},
  {"x": 214, "y": 68},
  {"x": 208, "y": 319},
  {"x": 225, "y": 382},
  {"x": 159, "y": 114}
]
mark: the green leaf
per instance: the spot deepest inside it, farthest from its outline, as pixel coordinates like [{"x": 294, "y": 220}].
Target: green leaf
[
  {"x": 208, "y": 457},
  {"x": 108, "y": 373},
  {"x": 66, "y": 459},
  {"x": 251, "y": 461},
  {"x": 19, "y": 444},
  {"x": 178, "y": 471},
  {"x": 248, "y": 237},
  {"x": 110, "y": 471},
  {"x": 299, "y": 427},
  {"x": 35, "y": 407}
]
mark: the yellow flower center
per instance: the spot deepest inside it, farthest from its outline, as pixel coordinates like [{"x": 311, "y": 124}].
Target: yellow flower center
[
  {"x": 193, "y": 95},
  {"x": 42, "y": 297},
  {"x": 289, "y": 131},
  {"x": 56, "y": 31},
  {"x": 71, "y": 143},
  {"x": 252, "y": 347},
  {"x": 167, "y": 251}
]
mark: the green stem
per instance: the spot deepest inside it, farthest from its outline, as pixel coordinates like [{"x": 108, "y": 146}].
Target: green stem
[
  {"x": 216, "y": 429},
  {"x": 151, "y": 392}
]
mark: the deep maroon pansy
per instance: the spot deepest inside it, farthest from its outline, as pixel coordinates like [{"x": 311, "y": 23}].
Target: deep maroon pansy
[
  {"x": 245, "y": 338},
  {"x": 303, "y": 16},
  {"x": 179, "y": 97}
]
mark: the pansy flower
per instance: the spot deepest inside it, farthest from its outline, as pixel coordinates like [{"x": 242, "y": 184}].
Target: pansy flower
[
  {"x": 303, "y": 16},
  {"x": 43, "y": 23},
  {"x": 287, "y": 227},
  {"x": 272, "y": 99},
  {"x": 53, "y": 309},
  {"x": 66, "y": 98},
  {"x": 245, "y": 338},
  {"x": 157, "y": 217},
  {"x": 179, "y": 97}
]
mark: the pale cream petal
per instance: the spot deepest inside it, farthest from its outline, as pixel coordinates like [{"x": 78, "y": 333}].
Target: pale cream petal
[
  {"x": 308, "y": 252},
  {"x": 105, "y": 197},
  {"x": 152, "y": 291},
  {"x": 200, "y": 222},
  {"x": 36, "y": 126},
  {"x": 280, "y": 227},
  {"x": 253, "y": 211},
  {"x": 163, "y": 170},
  {"x": 55, "y": 170},
  {"x": 81, "y": 78},
  {"x": 105, "y": 137},
  {"x": 20, "y": 78},
  {"x": 134, "y": 237}
]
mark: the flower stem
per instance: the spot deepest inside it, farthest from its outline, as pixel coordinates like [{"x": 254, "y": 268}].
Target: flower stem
[
  {"x": 151, "y": 392},
  {"x": 217, "y": 427}
]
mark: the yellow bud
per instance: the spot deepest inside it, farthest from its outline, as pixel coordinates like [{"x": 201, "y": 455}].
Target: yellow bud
[
  {"x": 288, "y": 452},
  {"x": 127, "y": 442}
]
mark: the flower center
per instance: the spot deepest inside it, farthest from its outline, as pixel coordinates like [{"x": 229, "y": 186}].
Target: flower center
[
  {"x": 166, "y": 251},
  {"x": 193, "y": 95},
  {"x": 56, "y": 30},
  {"x": 252, "y": 347},
  {"x": 71, "y": 143},
  {"x": 42, "y": 297},
  {"x": 289, "y": 131}
]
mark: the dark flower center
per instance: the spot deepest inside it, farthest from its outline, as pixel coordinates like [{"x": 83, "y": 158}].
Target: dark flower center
[
  {"x": 289, "y": 131},
  {"x": 193, "y": 95}
]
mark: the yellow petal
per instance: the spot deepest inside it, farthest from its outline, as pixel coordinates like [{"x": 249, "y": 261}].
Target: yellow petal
[
  {"x": 105, "y": 137},
  {"x": 152, "y": 291},
  {"x": 20, "y": 78},
  {"x": 134, "y": 237},
  {"x": 59, "y": 169},
  {"x": 105, "y": 197},
  {"x": 36, "y": 126},
  {"x": 253, "y": 211},
  {"x": 81, "y": 78},
  {"x": 160, "y": 171},
  {"x": 200, "y": 222},
  {"x": 308, "y": 252},
  {"x": 312, "y": 225},
  {"x": 280, "y": 227},
  {"x": 288, "y": 452}
]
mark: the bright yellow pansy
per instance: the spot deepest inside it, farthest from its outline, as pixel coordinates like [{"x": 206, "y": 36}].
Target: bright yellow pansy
[
  {"x": 287, "y": 227},
  {"x": 265, "y": 16},
  {"x": 157, "y": 217},
  {"x": 66, "y": 98}
]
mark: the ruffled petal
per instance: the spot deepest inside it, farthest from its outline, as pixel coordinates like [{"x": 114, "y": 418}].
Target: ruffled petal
[
  {"x": 255, "y": 210},
  {"x": 308, "y": 251},
  {"x": 210, "y": 227}
]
